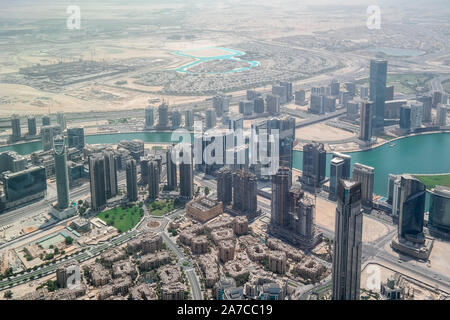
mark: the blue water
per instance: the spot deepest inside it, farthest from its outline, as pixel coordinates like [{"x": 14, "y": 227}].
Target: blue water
[
  {"x": 232, "y": 56},
  {"x": 398, "y": 52},
  {"x": 421, "y": 154}
]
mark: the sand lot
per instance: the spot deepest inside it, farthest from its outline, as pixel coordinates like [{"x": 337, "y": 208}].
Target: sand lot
[
  {"x": 325, "y": 217},
  {"x": 322, "y": 132}
]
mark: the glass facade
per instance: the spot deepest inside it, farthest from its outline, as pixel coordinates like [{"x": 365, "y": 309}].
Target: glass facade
[
  {"x": 25, "y": 183},
  {"x": 440, "y": 208}
]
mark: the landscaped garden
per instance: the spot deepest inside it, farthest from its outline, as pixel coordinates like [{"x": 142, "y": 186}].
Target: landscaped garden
[
  {"x": 122, "y": 218},
  {"x": 161, "y": 207}
]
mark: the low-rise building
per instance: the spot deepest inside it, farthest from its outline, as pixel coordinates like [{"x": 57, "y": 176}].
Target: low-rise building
[
  {"x": 173, "y": 291},
  {"x": 199, "y": 245},
  {"x": 154, "y": 260},
  {"x": 123, "y": 269},
  {"x": 219, "y": 235},
  {"x": 226, "y": 250},
  {"x": 277, "y": 262}
]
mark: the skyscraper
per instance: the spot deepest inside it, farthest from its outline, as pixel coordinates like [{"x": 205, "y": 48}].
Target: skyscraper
[
  {"x": 347, "y": 242},
  {"x": 258, "y": 105},
  {"x": 439, "y": 216},
  {"x": 436, "y": 99},
  {"x": 441, "y": 115},
  {"x": 412, "y": 208},
  {"x": 427, "y": 106},
  {"x": 317, "y": 104},
  {"x": 32, "y": 130},
  {"x": 210, "y": 119},
  {"x": 47, "y": 135},
  {"x": 188, "y": 119},
  {"x": 110, "y": 174},
  {"x": 281, "y": 184},
  {"x": 377, "y": 83},
  {"x": 285, "y": 141},
  {"x": 171, "y": 169},
  {"x": 45, "y": 121},
  {"x": 244, "y": 192},
  {"x": 347, "y": 163},
  {"x": 314, "y": 162},
  {"x": 132, "y": 189},
  {"x": 405, "y": 117},
  {"x": 220, "y": 104},
  {"x": 97, "y": 181},
  {"x": 224, "y": 185},
  {"x": 61, "y": 171},
  {"x": 336, "y": 169},
  {"x": 273, "y": 104},
  {"x": 175, "y": 119},
  {"x": 288, "y": 86},
  {"x": 365, "y": 175},
  {"x": 366, "y": 120},
  {"x": 149, "y": 117},
  {"x": 280, "y": 91},
  {"x": 61, "y": 121},
  {"x": 75, "y": 138},
  {"x": 153, "y": 180},
  {"x": 15, "y": 125},
  {"x": 389, "y": 93},
  {"x": 163, "y": 116},
  {"x": 416, "y": 115},
  {"x": 187, "y": 177}
]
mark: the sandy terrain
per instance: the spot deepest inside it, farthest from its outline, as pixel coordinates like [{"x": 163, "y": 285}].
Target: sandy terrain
[
  {"x": 440, "y": 257},
  {"x": 322, "y": 132}
]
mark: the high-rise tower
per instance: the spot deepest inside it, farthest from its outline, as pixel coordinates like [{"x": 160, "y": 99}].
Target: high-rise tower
[
  {"x": 61, "y": 171},
  {"x": 347, "y": 241}
]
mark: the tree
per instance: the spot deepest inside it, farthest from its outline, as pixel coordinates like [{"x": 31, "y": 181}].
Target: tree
[
  {"x": 8, "y": 294},
  {"x": 206, "y": 191},
  {"x": 69, "y": 241}
]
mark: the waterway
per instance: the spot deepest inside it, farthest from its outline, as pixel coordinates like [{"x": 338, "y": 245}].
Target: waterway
[
  {"x": 397, "y": 52},
  {"x": 420, "y": 154},
  {"x": 232, "y": 55}
]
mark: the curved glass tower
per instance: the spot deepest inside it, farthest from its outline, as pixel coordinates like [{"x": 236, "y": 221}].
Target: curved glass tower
[{"x": 62, "y": 175}]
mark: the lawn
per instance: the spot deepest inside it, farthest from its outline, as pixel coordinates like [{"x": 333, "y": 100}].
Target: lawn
[
  {"x": 431, "y": 181},
  {"x": 123, "y": 219},
  {"x": 160, "y": 208}
]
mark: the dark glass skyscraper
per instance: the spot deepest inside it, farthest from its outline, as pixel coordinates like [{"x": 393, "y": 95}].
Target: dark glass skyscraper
[
  {"x": 412, "y": 206},
  {"x": 61, "y": 171},
  {"x": 32, "y": 130},
  {"x": 171, "y": 171},
  {"x": 366, "y": 121},
  {"x": 281, "y": 184},
  {"x": 97, "y": 181},
  {"x": 132, "y": 189},
  {"x": 224, "y": 185},
  {"x": 440, "y": 208},
  {"x": 314, "y": 162},
  {"x": 110, "y": 174},
  {"x": 377, "y": 83},
  {"x": 153, "y": 180},
  {"x": 244, "y": 191},
  {"x": 347, "y": 241},
  {"x": 163, "y": 116},
  {"x": 75, "y": 138}
]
